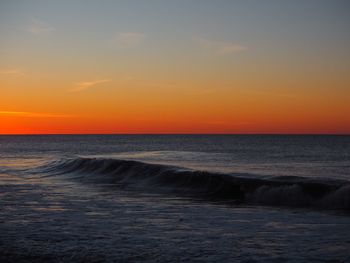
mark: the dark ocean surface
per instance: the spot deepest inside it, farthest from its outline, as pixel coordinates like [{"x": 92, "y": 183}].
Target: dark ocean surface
[{"x": 172, "y": 198}]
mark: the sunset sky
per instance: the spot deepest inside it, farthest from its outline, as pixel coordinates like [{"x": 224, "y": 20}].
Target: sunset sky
[{"x": 180, "y": 66}]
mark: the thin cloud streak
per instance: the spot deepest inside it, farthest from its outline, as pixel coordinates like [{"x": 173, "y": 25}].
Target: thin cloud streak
[
  {"x": 88, "y": 84},
  {"x": 12, "y": 72},
  {"x": 28, "y": 114},
  {"x": 131, "y": 80},
  {"x": 38, "y": 27},
  {"x": 220, "y": 47},
  {"x": 201, "y": 92},
  {"x": 130, "y": 39}
]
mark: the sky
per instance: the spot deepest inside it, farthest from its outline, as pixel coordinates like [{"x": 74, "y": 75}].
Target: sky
[{"x": 164, "y": 66}]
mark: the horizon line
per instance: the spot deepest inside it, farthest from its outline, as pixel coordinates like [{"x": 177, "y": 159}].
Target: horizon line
[{"x": 80, "y": 134}]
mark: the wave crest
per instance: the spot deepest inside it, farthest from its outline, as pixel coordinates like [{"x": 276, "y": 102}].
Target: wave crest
[{"x": 241, "y": 188}]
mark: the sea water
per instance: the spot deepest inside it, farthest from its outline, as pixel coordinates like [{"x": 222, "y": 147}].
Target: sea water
[{"x": 198, "y": 198}]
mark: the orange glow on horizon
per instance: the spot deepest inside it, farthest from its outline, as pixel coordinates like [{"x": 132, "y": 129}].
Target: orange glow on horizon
[{"x": 87, "y": 125}]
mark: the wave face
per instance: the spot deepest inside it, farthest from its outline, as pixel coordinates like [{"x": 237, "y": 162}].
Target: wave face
[{"x": 239, "y": 188}]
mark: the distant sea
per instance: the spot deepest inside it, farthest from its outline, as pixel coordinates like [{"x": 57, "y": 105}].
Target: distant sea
[{"x": 174, "y": 198}]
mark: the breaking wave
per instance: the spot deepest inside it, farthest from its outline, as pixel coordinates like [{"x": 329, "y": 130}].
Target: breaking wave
[{"x": 289, "y": 191}]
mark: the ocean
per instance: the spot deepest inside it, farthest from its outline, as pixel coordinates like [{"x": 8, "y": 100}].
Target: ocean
[{"x": 174, "y": 198}]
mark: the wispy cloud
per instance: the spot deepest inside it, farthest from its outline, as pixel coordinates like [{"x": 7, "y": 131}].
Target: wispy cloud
[
  {"x": 156, "y": 84},
  {"x": 34, "y": 114},
  {"x": 88, "y": 84},
  {"x": 220, "y": 47},
  {"x": 130, "y": 39},
  {"x": 12, "y": 72},
  {"x": 201, "y": 92},
  {"x": 38, "y": 27},
  {"x": 138, "y": 82}
]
